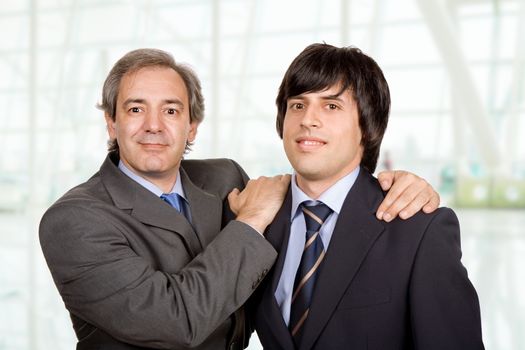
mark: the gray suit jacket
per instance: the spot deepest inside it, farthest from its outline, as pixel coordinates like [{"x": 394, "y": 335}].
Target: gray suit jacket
[{"x": 133, "y": 272}]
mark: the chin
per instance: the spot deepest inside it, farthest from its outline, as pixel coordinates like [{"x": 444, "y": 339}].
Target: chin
[
  {"x": 154, "y": 164},
  {"x": 309, "y": 173}
]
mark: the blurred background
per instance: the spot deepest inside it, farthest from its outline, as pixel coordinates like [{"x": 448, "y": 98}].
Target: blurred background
[{"x": 456, "y": 70}]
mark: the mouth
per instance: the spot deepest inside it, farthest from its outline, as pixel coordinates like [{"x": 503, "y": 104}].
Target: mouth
[
  {"x": 152, "y": 145},
  {"x": 310, "y": 143}
]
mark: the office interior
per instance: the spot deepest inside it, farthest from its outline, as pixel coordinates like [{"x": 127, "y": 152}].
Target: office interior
[{"x": 456, "y": 70}]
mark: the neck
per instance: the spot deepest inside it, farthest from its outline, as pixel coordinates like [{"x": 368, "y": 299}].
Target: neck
[
  {"x": 165, "y": 183},
  {"x": 313, "y": 188}
]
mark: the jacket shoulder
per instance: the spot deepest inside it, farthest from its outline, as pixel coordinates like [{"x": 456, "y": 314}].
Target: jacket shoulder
[
  {"x": 92, "y": 189},
  {"x": 220, "y": 166},
  {"x": 215, "y": 175},
  {"x": 90, "y": 194},
  {"x": 438, "y": 215}
]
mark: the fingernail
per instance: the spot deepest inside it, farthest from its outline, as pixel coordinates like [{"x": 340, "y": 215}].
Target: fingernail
[
  {"x": 379, "y": 215},
  {"x": 384, "y": 183},
  {"x": 387, "y": 217},
  {"x": 403, "y": 214}
]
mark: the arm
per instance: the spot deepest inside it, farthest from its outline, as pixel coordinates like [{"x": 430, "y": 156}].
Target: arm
[
  {"x": 407, "y": 194},
  {"x": 444, "y": 305},
  {"x": 105, "y": 282}
]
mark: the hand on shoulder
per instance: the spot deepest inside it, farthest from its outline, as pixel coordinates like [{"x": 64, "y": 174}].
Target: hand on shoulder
[{"x": 260, "y": 200}]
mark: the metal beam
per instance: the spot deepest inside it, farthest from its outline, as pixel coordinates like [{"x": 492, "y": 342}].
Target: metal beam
[
  {"x": 239, "y": 119},
  {"x": 215, "y": 74},
  {"x": 517, "y": 92},
  {"x": 30, "y": 211},
  {"x": 462, "y": 82},
  {"x": 345, "y": 22}
]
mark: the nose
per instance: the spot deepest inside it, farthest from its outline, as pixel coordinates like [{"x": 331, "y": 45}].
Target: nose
[
  {"x": 311, "y": 117},
  {"x": 153, "y": 122}
]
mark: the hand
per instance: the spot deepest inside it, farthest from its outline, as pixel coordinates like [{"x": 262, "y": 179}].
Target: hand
[
  {"x": 260, "y": 200},
  {"x": 407, "y": 194}
]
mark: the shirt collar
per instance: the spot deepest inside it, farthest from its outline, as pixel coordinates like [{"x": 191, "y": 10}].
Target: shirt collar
[
  {"x": 150, "y": 186},
  {"x": 333, "y": 197}
]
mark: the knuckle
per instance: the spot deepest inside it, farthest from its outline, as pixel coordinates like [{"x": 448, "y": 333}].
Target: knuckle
[
  {"x": 395, "y": 207},
  {"x": 429, "y": 191},
  {"x": 406, "y": 195}
]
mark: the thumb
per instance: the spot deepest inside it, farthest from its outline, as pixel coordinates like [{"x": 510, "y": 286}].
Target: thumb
[
  {"x": 232, "y": 196},
  {"x": 233, "y": 199}
]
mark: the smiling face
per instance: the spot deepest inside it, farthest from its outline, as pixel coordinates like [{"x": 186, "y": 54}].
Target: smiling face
[
  {"x": 152, "y": 124},
  {"x": 322, "y": 138}
]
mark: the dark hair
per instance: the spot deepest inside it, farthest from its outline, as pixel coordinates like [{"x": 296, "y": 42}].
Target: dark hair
[
  {"x": 321, "y": 66},
  {"x": 143, "y": 58}
]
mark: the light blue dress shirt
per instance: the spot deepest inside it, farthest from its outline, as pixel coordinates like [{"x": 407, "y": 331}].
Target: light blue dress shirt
[
  {"x": 333, "y": 198},
  {"x": 177, "y": 188}
]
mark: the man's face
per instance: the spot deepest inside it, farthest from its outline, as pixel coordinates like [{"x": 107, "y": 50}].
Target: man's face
[
  {"x": 152, "y": 122},
  {"x": 321, "y": 136}
]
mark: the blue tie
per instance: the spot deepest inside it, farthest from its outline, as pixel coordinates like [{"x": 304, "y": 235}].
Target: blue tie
[
  {"x": 174, "y": 200},
  {"x": 308, "y": 270}
]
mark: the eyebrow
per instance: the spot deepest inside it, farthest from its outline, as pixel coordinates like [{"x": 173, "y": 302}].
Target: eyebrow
[
  {"x": 175, "y": 101},
  {"x": 335, "y": 97}
]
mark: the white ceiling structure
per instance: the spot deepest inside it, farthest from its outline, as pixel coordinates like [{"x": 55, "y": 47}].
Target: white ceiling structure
[{"x": 456, "y": 70}]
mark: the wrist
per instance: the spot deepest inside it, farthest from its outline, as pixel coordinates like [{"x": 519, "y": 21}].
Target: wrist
[{"x": 256, "y": 223}]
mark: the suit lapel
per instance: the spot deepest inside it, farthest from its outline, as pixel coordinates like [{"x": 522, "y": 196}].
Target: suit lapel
[
  {"x": 144, "y": 205},
  {"x": 355, "y": 232},
  {"x": 204, "y": 206},
  {"x": 278, "y": 234}
]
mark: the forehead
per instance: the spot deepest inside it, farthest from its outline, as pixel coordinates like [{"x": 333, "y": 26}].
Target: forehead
[{"x": 153, "y": 83}]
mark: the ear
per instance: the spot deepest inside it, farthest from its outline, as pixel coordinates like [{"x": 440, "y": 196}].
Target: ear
[
  {"x": 110, "y": 126},
  {"x": 193, "y": 131}
]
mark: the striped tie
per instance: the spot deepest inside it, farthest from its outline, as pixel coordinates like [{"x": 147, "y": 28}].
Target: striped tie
[{"x": 311, "y": 259}]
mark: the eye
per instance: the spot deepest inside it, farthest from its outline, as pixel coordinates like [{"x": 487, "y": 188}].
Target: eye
[
  {"x": 333, "y": 106},
  {"x": 134, "y": 109},
  {"x": 171, "y": 111},
  {"x": 297, "y": 106}
]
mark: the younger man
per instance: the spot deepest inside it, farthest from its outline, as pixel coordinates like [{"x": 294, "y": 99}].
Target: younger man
[{"x": 352, "y": 281}]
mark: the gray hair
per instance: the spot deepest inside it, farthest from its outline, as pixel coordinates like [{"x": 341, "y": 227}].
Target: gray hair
[{"x": 142, "y": 58}]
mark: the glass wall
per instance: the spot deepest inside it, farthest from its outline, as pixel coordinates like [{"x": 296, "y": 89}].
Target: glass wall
[{"x": 456, "y": 74}]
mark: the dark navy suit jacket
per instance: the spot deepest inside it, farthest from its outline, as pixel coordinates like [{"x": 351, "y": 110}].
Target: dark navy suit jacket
[{"x": 397, "y": 285}]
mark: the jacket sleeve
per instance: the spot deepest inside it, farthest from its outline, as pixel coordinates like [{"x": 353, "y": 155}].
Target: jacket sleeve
[{"x": 444, "y": 306}]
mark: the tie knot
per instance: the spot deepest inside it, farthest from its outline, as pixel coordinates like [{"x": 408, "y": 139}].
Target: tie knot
[
  {"x": 315, "y": 215},
  {"x": 172, "y": 199}
]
